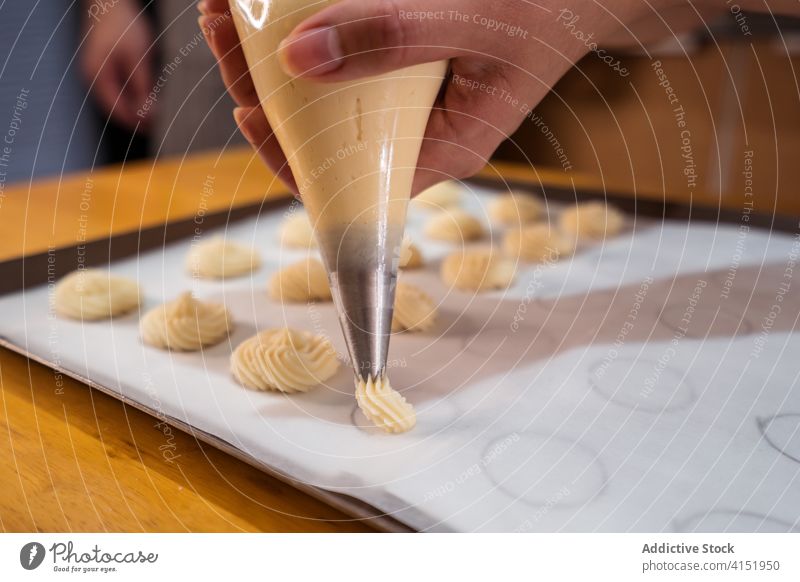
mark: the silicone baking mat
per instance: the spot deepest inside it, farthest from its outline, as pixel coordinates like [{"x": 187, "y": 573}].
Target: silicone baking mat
[{"x": 647, "y": 383}]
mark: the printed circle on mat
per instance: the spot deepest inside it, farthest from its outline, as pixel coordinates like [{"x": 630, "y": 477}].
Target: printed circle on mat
[
  {"x": 733, "y": 522},
  {"x": 544, "y": 470},
  {"x": 642, "y": 384},
  {"x": 705, "y": 321},
  {"x": 782, "y": 432}
]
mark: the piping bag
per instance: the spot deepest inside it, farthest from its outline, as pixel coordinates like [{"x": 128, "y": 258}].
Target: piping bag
[{"x": 352, "y": 148}]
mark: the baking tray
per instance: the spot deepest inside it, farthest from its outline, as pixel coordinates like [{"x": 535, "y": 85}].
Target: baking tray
[{"x": 560, "y": 293}]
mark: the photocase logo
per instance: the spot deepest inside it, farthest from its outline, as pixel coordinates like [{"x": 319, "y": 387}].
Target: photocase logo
[{"x": 31, "y": 555}]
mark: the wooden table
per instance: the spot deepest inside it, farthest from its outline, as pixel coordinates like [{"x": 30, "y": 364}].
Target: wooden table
[{"x": 74, "y": 459}]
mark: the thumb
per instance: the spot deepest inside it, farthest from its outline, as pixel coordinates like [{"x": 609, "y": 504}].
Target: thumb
[{"x": 354, "y": 38}]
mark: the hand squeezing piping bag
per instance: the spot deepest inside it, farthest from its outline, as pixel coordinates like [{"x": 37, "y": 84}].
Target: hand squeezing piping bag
[{"x": 352, "y": 148}]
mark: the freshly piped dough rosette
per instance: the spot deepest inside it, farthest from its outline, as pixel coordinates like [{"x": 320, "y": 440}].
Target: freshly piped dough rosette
[
  {"x": 218, "y": 258},
  {"x": 92, "y": 294},
  {"x": 515, "y": 209},
  {"x": 537, "y": 242},
  {"x": 454, "y": 226},
  {"x": 185, "y": 324},
  {"x": 477, "y": 270},
  {"x": 592, "y": 220},
  {"x": 284, "y": 360},
  {"x": 301, "y": 282},
  {"x": 414, "y": 310},
  {"x": 384, "y": 406}
]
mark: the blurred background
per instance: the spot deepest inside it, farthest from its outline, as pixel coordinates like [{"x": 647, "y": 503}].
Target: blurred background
[
  {"x": 97, "y": 82},
  {"x": 109, "y": 81}
]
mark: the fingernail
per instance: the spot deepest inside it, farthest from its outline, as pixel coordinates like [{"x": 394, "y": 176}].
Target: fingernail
[
  {"x": 239, "y": 116},
  {"x": 313, "y": 52},
  {"x": 201, "y": 22},
  {"x": 202, "y": 7}
]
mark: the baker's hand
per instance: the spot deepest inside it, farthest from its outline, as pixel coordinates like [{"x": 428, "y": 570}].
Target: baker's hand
[
  {"x": 505, "y": 56},
  {"x": 116, "y": 60},
  {"x": 220, "y": 33}
]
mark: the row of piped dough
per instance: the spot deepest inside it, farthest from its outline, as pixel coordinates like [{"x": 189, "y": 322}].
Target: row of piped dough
[
  {"x": 528, "y": 237},
  {"x": 474, "y": 269},
  {"x": 587, "y": 220},
  {"x": 187, "y": 324},
  {"x": 284, "y": 360}
]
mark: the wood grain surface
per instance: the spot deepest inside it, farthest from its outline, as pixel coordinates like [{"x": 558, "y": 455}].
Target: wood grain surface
[
  {"x": 73, "y": 459},
  {"x": 67, "y": 211}
]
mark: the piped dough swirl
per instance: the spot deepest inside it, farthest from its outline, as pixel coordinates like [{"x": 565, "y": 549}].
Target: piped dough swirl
[
  {"x": 477, "y": 270},
  {"x": 301, "y": 282},
  {"x": 455, "y": 226},
  {"x": 384, "y": 406},
  {"x": 537, "y": 243},
  {"x": 92, "y": 294},
  {"x": 410, "y": 255},
  {"x": 185, "y": 324},
  {"x": 414, "y": 310},
  {"x": 284, "y": 360},
  {"x": 218, "y": 258},
  {"x": 443, "y": 195},
  {"x": 516, "y": 209},
  {"x": 592, "y": 220},
  {"x": 297, "y": 233}
]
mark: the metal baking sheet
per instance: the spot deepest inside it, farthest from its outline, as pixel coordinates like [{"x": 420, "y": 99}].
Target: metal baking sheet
[{"x": 632, "y": 387}]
